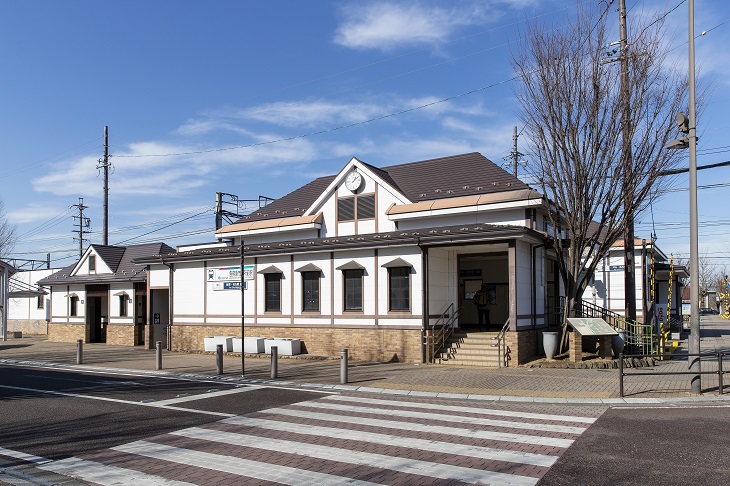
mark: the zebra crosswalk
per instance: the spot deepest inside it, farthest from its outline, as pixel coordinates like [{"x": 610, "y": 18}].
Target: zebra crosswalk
[{"x": 345, "y": 439}]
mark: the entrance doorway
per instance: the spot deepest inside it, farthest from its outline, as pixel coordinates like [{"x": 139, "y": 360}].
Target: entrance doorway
[
  {"x": 491, "y": 270},
  {"x": 97, "y": 324}
]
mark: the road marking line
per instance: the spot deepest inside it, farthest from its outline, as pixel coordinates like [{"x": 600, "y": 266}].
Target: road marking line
[
  {"x": 429, "y": 428},
  {"x": 238, "y": 466},
  {"x": 393, "y": 463},
  {"x": 203, "y": 396},
  {"x": 23, "y": 456},
  {"x": 106, "y": 475},
  {"x": 117, "y": 400},
  {"x": 565, "y": 429},
  {"x": 389, "y": 439},
  {"x": 456, "y": 408}
]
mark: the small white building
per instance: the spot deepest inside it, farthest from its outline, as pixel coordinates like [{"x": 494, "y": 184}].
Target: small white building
[
  {"x": 29, "y": 303},
  {"x": 368, "y": 259},
  {"x": 102, "y": 297},
  {"x": 653, "y": 273}
]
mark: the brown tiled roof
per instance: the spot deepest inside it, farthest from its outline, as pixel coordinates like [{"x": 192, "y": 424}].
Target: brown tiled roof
[
  {"x": 437, "y": 236},
  {"x": 426, "y": 180},
  {"x": 120, "y": 261}
]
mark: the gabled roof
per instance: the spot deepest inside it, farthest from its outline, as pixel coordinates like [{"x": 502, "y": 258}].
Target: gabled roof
[
  {"x": 426, "y": 180},
  {"x": 120, "y": 260}
]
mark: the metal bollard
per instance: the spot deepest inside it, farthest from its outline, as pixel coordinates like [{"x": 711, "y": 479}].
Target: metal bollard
[
  {"x": 274, "y": 362},
  {"x": 79, "y": 351},
  {"x": 621, "y": 375},
  {"x": 219, "y": 358},
  {"x": 343, "y": 366},
  {"x": 158, "y": 354}
]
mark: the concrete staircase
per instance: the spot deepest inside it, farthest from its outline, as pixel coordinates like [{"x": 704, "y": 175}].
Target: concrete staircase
[{"x": 470, "y": 349}]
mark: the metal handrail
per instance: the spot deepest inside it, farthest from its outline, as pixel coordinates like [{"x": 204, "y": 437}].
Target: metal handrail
[
  {"x": 640, "y": 337},
  {"x": 502, "y": 342},
  {"x": 720, "y": 372},
  {"x": 445, "y": 328}
]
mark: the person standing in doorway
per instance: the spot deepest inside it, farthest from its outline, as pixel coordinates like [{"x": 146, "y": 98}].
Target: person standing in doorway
[{"x": 481, "y": 300}]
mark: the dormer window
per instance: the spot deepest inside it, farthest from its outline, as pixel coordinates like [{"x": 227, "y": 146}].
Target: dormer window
[{"x": 92, "y": 263}]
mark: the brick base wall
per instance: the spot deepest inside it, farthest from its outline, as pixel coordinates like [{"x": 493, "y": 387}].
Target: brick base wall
[
  {"x": 28, "y": 326},
  {"x": 521, "y": 345},
  {"x": 67, "y": 333},
  {"x": 363, "y": 344},
  {"x": 120, "y": 335}
]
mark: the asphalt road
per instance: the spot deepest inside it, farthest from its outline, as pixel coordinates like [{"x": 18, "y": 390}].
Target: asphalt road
[
  {"x": 57, "y": 414},
  {"x": 668, "y": 445}
]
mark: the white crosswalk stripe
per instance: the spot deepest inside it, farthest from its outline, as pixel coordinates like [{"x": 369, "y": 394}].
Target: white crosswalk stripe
[
  {"x": 462, "y": 409},
  {"x": 410, "y": 466},
  {"x": 464, "y": 420},
  {"x": 342, "y": 439},
  {"x": 427, "y": 428},
  {"x": 391, "y": 439}
]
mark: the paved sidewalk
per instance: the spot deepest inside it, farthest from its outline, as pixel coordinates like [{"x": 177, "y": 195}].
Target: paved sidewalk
[{"x": 516, "y": 384}]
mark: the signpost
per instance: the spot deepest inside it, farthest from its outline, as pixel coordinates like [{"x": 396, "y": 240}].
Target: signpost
[{"x": 590, "y": 326}]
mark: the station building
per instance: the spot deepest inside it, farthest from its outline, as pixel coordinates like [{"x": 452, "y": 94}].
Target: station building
[{"x": 367, "y": 259}]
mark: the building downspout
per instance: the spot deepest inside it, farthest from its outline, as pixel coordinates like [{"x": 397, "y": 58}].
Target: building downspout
[
  {"x": 534, "y": 296},
  {"x": 424, "y": 283},
  {"x": 171, "y": 301}
]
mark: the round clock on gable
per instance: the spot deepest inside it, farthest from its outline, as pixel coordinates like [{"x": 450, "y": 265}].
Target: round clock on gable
[{"x": 353, "y": 181}]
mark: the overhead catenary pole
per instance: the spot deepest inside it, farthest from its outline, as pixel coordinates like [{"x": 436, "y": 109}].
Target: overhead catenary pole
[
  {"x": 83, "y": 222},
  {"x": 694, "y": 271},
  {"x": 626, "y": 160}
]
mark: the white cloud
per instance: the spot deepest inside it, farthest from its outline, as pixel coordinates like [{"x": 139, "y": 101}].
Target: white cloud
[{"x": 386, "y": 26}]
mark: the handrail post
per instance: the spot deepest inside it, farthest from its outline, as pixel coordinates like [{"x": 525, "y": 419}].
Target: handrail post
[{"x": 621, "y": 375}]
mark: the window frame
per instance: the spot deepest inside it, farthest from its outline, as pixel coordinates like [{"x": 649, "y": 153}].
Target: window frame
[
  {"x": 269, "y": 278},
  {"x": 407, "y": 288},
  {"x": 352, "y": 275},
  {"x": 40, "y": 301},
  {"x": 73, "y": 307},
  {"x": 92, "y": 263},
  {"x": 123, "y": 306},
  {"x": 311, "y": 276}
]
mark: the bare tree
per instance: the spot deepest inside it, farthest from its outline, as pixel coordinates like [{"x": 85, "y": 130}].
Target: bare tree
[
  {"x": 7, "y": 233},
  {"x": 572, "y": 107}
]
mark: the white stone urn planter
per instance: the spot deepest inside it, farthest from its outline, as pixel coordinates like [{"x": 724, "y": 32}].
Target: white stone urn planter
[
  {"x": 251, "y": 345},
  {"x": 286, "y": 346},
  {"x": 210, "y": 343}
]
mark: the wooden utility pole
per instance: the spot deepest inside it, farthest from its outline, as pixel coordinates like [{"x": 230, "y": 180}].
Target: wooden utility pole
[{"x": 626, "y": 158}]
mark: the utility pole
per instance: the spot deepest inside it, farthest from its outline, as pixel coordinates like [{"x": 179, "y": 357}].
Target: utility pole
[
  {"x": 83, "y": 222},
  {"x": 628, "y": 188},
  {"x": 515, "y": 153},
  {"x": 104, "y": 164},
  {"x": 694, "y": 267}
]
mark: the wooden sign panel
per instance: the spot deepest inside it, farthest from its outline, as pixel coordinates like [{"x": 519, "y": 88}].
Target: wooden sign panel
[{"x": 591, "y": 326}]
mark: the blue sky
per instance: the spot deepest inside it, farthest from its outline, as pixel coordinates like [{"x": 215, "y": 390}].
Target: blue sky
[{"x": 258, "y": 98}]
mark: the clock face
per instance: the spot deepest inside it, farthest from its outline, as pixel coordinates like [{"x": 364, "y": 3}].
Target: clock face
[{"x": 353, "y": 181}]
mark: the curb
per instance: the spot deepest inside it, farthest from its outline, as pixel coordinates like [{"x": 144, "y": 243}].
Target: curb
[{"x": 704, "y": 399}]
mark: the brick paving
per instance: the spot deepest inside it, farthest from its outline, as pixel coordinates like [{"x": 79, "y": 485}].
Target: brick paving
[{"x": 538, "y": 383}]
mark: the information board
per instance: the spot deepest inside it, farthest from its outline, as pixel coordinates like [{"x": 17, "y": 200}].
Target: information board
[{"x": 591, "y": 326}]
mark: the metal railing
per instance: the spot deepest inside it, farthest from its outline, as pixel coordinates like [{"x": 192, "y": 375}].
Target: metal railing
[
  {"x": 438, "y": 334},
  {"x": 719, "y": 372},
  {"x": 503, "y": 357},
  {"x": 640, "y": 338}
]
